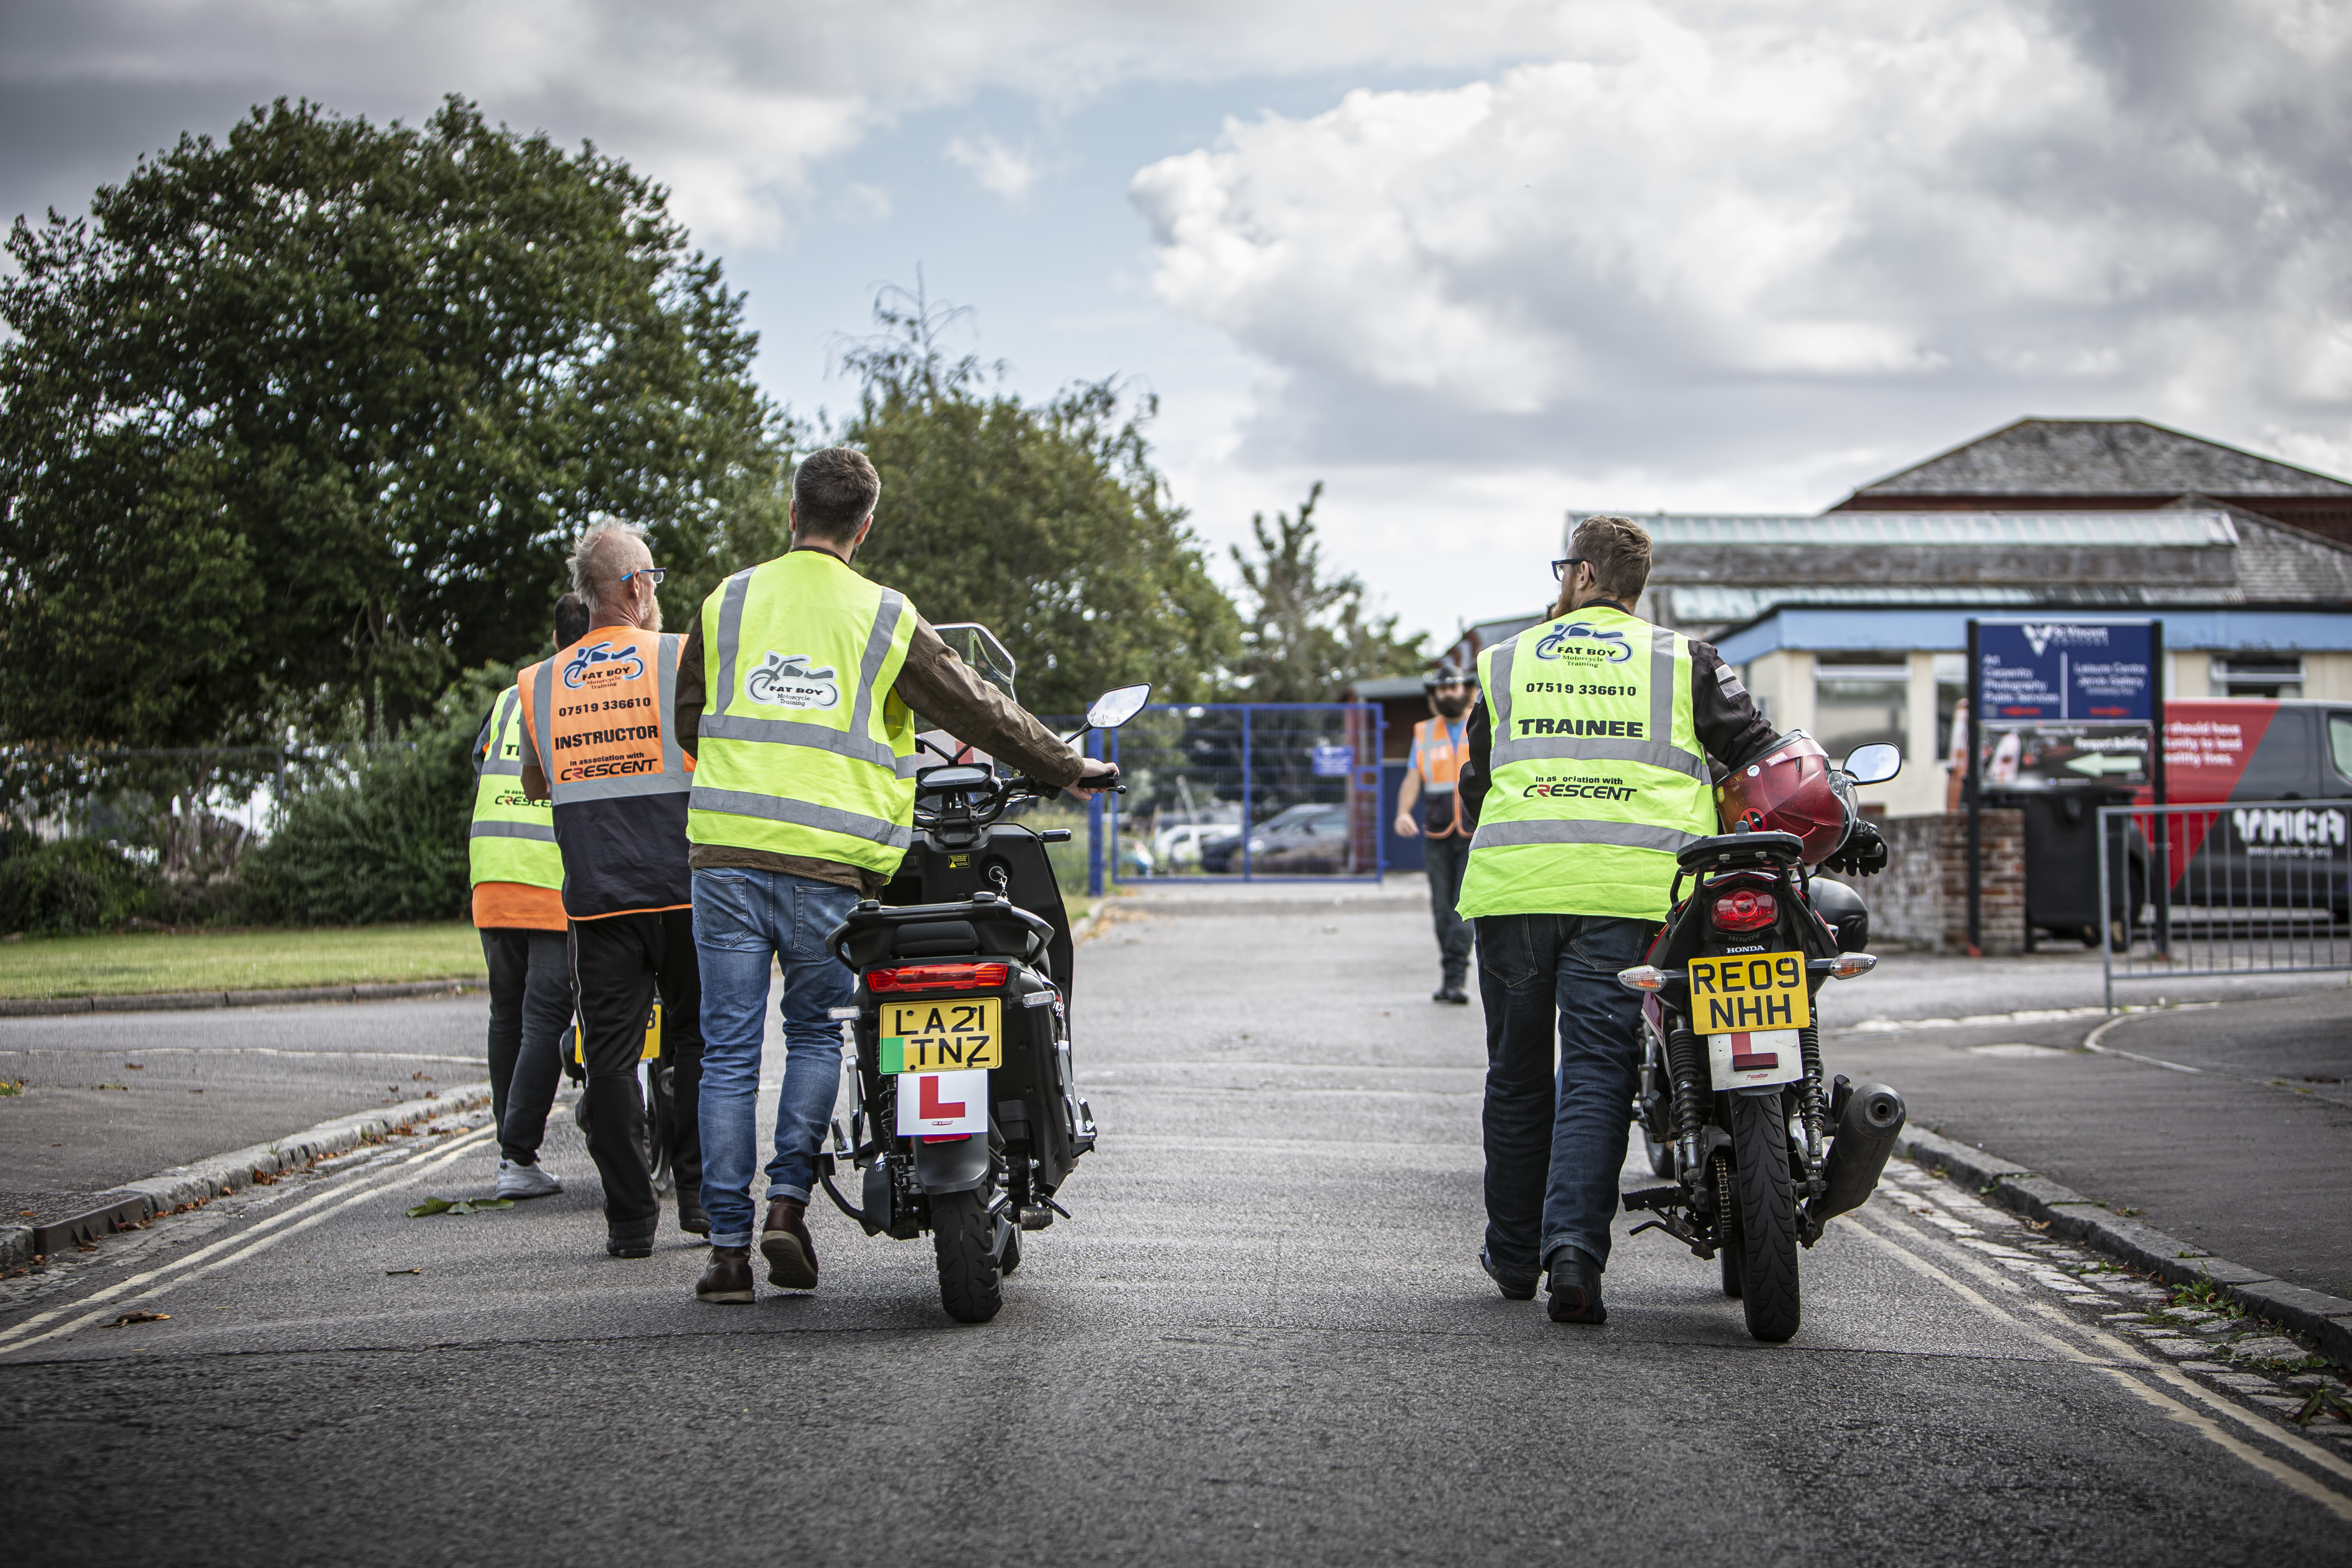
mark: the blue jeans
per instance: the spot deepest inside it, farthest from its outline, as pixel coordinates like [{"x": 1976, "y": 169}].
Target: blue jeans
[
  {"x": 743, "y": 919},
  {"x": 1554, "y": 1147}
]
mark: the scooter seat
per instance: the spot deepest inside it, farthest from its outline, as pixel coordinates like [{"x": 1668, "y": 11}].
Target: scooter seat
[{"x": 936, "y": 939}]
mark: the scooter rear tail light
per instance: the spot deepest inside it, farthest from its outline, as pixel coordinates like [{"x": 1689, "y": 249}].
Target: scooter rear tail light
[
  {"x": 1748, "y": 909},
  {"x": 938, "y": 978}
]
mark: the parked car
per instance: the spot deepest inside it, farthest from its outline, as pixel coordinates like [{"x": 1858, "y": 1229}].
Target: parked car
[
  {"x": 1178, "y": 848},
  {"x": 1302, "y": 840}
]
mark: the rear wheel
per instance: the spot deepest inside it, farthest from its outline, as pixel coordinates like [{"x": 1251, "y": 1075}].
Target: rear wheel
[
  {"x": 1768, "y": 1217},
  {"x": 971, "y": 1285},
  {"x": 1661, "y": 1156}
]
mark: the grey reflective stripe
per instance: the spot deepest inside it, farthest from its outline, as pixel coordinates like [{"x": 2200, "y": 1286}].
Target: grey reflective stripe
[
  {"x": 666, "y": 716},
  {"x": 869, "y": 668},
  {"x": 1599, "y": 748},
  {"x": 1499, "y": 689},
  {"x": 542, "y": 729},
  {"x": 1661, "y": 691},
  {"x": 1621, "y": 835},
  {"x": 730, "y": 634},
  {"x": 801, "y": 813},
  {"x": 616, "y": 789},
  {"x": 816, "y": 737},
  {"x": 494, "y": 760},
  {"x": 494, "y": 830}
]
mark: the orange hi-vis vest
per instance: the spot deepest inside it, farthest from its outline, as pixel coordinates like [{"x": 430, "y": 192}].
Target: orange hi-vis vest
[
  {"x": 599, "y": 720},
  {"x": 1441, "y": 772}
]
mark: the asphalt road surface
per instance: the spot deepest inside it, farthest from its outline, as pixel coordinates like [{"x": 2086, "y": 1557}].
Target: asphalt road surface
[{"x": 1262, "y": 1338}]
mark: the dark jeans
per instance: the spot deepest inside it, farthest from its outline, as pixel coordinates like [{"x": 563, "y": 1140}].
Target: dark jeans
[
  {"x": 1554, "y": 1147},
  {"x": 618, "y": 964},
  {"x": 1445, "y": 858},
  {"x": 530, "y": 1006}
]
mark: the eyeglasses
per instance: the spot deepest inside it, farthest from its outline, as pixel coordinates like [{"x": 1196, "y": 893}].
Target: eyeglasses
[
  {"x": 656, "y": 574},
  {"x": 1560, "y": 568}
]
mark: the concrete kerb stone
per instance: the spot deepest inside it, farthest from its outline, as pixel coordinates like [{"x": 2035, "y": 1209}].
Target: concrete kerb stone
[
  {"x": 2070, "y": 1215},
  {"x": 187, "y": 1001},
  {"x": 167, "y": 1191}
]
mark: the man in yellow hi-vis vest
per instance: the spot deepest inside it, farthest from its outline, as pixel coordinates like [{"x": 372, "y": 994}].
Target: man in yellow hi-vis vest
[
  {"x": 797, "y": 691},
  {"x": 1588, "y": 771},
  {"x": 518, "y": 876}
]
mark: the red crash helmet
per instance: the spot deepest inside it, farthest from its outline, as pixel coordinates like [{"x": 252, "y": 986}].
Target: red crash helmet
[{"x": 1790, "y": 789}]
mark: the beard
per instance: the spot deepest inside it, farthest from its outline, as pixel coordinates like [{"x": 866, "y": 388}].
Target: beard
[{"x": 1452, "y": 708}]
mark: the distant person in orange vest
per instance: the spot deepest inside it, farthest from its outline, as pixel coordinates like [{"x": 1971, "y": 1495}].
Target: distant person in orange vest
[{"x": 1438, "y": 750}]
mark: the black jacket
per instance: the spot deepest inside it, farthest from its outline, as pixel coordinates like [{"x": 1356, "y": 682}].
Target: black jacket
[{"x": 1728, "y": 725}]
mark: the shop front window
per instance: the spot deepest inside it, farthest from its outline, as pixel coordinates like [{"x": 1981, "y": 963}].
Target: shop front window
[
  {"x": 2270, "y": 675},
  {"x": 1859, "y": 700},
  {"x": 1952, "y": 691}
]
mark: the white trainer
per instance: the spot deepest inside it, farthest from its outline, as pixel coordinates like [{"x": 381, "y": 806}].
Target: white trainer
[{"x": 526, "y": 1181}]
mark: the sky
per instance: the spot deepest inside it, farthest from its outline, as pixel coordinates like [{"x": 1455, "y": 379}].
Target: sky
[{"x": 1476, "y": 267}]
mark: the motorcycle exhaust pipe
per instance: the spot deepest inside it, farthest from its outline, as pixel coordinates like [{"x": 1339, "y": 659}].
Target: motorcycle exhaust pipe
[{"x": 1866, "y": 1130}]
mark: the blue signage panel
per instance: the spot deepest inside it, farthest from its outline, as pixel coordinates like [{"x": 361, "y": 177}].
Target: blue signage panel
[
  {"x": 1334, "y": 761},
  {"x": 2083, "y": 672}
]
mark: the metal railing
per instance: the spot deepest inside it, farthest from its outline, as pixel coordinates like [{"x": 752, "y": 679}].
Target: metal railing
[{"x": 2255, "y": 887}]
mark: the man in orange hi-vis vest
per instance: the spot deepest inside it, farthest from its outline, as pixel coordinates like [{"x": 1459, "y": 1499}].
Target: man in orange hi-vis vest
[
  {"x": 1438, "y": 750},
  {"x": 601, "y": 739}
]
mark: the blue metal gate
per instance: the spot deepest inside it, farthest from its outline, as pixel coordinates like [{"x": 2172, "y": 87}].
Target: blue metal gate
[{"x": 1252, "y": 791}]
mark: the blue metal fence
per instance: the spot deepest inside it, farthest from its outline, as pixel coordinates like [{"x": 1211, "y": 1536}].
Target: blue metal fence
[{"x": 1253, "y": 791}]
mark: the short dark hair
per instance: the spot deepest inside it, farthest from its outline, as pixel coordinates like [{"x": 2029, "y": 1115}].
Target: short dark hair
[
  {"x": 834, "y": 491},
  {"x": 572, "y": 620},
  {"x": 1619, "y": 551}
]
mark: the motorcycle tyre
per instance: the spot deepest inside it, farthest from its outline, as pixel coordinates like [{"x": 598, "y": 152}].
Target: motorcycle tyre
[
  {"x": 660, "y": 1120},
  {"x": 1767, "y": 1234},
  {"x": 972, "y": 1286},
  {"x": 1661, "y": 1156}
]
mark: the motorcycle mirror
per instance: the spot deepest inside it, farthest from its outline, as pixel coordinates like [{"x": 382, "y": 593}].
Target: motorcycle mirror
[
  {"x": 1113, "y": 708},
  {"x": 1873, "y": 764}
]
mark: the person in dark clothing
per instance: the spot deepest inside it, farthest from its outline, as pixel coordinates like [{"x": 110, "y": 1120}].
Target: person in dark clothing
[{"x": 1429, "y": 809}]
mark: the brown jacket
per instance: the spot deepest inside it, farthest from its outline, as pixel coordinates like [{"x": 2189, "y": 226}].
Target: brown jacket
[{"x": 935, "y": 684}]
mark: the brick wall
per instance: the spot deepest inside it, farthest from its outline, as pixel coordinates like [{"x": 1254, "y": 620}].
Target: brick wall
[{"x": 1921, "y": 899}]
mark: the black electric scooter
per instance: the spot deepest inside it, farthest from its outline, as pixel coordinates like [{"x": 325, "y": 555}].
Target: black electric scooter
[{"x": 966, "y": 1119}]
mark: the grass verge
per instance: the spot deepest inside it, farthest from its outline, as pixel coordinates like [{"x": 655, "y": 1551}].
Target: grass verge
[{"x": 237, "y": 960}]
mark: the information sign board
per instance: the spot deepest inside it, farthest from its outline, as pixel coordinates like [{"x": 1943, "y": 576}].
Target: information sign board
[{"x": 2086, "y": 671}]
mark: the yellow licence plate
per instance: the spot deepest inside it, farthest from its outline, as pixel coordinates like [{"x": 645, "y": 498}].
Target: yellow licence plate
[
  {"x": 575, "y": 1043},
  {"x": 942, "y": 1036},
  {"x": 1743, "y": 992}
]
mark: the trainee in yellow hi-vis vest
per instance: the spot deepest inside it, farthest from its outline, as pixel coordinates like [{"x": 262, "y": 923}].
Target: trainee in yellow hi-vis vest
[
  {"x": 805, "y": 747},
  {"x": 1597, "y": 775}
]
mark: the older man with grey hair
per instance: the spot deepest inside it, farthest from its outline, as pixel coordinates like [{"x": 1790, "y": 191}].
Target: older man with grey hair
[{"x": 601, "y": 740}]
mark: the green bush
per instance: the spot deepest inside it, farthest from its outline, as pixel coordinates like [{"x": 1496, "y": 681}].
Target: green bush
[
  {"x": 69, "y": 886},
  {"x": 390, "y": 843}
]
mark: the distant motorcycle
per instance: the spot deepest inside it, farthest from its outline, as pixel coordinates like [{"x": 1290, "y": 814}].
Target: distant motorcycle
[{"x": 1732, "y": 1103}]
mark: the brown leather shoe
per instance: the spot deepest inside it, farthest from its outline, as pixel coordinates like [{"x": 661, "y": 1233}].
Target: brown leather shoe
[
  {"x": 728, "y": 1277},
  {"x": 784, "y": 1243}
]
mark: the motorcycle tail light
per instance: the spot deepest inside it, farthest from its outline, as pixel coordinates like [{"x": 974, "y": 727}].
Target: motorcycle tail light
[
  {"x": 938, "y": 978},
  {"x": 1746, "y": 909}
]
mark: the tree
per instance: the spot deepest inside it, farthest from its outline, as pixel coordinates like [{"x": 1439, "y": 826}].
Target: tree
[
  {"x": 1046, "y": 521},
  {"x": 295, "y": 426},
  {"x": 1307, "y": 638}
]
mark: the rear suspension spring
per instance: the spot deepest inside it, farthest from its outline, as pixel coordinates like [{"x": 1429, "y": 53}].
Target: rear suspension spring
[
  {"x": 1813, "y": 1105},
  {"x": 1686, "y": 1063}
]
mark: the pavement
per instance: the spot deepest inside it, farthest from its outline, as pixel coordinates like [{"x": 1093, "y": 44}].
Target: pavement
[{"x": 1261, "y": 1337}]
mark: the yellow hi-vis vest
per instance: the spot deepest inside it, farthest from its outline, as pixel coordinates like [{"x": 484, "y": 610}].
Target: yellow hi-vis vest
[
  {"x": 805, "y": 747},
  {"x": 1596, "y": 773},
  {"x": 512, "y": 839}
]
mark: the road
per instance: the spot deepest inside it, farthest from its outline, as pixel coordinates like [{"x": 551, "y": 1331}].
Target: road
[{"x": 1261, "y": 1338}]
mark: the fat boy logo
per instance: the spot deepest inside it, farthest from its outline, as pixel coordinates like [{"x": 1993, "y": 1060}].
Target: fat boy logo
[
  {"x": 1596, "y": 643},
  {"x": 785, "y": 680},
  {"x": 2064, "y": 635},
  {"x": 599, "y": 662}
]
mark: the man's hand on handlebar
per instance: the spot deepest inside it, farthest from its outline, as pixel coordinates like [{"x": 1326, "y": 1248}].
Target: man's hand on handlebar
[{"x": 1094, "y": 777}]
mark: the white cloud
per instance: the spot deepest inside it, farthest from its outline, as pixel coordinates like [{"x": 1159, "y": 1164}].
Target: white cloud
[
  {"x": 999, "y": 169},
  {"x": 1706, "y": 240}
]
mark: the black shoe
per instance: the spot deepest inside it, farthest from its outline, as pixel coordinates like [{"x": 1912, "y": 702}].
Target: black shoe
[
  {"x": 691, "y": 1217},
  {"x": 1454, "y": 994},
  {"x": 1575, "y": 1289},
  {"x": 1512, "y": 1289},
  {"x": 638, "y": 1242}
]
